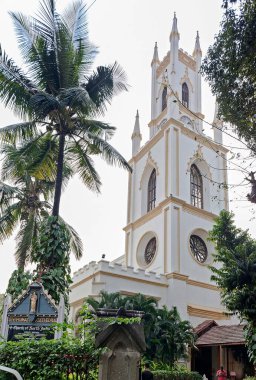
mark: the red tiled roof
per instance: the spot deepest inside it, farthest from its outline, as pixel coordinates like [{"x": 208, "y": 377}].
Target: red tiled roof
[
  {"x": 204, "y": 326},
  {"x": 222, "y": 335}
]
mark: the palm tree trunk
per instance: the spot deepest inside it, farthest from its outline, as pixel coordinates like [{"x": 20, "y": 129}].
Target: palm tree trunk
[{"x": 59, "y": 177}]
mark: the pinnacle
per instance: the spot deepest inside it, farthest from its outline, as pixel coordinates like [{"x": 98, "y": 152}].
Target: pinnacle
[
  {"x": 197, "y": 49},
  {"x": 155, "y": 55}
]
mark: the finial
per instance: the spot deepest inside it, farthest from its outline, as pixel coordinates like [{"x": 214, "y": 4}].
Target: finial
[
  {"x": 155, "y": 55},
  {"x": 174, "y": 31},
  {"x": 136, "y": 129},
  {"x": 197, "y": 49},
  {"x": 136, "y": 135}
]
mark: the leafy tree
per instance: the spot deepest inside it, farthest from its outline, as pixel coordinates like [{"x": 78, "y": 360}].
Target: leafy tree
[
  {"x": 52, "y": 257},
  {"x": 58, "y": 94},
  {"x": 26, "y": 204},
  {"x": 235, "y": 273},
  {"x": 18, "y": 282},
  {"x": 171, "y": 336},
  {"x": 230, "y": 68}
]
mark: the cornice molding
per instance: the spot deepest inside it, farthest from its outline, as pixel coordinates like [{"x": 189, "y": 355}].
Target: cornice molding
[
  {"x": 158, "y": 210},
  {"x": 203, "y": 140},
  {"x": 125, "y": 277},
  {"x": 205, "y": 312}
]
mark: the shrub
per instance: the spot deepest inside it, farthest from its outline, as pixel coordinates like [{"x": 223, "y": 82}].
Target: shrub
[
  {"x": 49, "y": 359},
  {"x": 176, "y": 375}
]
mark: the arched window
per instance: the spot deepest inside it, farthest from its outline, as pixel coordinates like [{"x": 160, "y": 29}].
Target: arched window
[
  {"x": 164, "y": 98},
  {"x": 196, "y": 187},
  {"x": 152, "y": 190},
  {"x": 185, "y": 95}
]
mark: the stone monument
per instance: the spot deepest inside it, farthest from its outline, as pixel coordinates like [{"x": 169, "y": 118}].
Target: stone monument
[{"x": 125, "y": 343}]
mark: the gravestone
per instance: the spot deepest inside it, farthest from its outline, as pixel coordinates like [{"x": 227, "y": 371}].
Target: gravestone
[
  {"x": 125, "y": 343},
  {"x": 33, "y": 313}
]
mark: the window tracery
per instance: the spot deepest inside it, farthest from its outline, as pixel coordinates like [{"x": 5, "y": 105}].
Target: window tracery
[
  {"x": 151, "y": 191},
  {"x": 185, "y": 95},
  {"x": 164, "y": 98},
  {"x": 196, "y": 187}
]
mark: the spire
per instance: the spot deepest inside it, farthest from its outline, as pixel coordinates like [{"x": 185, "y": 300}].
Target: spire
[
  {"x": 136, "y": 129},
  {"x": 197, "y": 49},
  {"x": 217, "y": 125},
  {"x": 136, "y": 135},
  {"x": 216, "y": 120},
  {"x": 174, "y": 31},
  {"x": 155, "y": 55}
]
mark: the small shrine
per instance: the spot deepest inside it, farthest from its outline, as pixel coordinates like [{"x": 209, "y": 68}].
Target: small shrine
[{"x": 33, "y": 313}]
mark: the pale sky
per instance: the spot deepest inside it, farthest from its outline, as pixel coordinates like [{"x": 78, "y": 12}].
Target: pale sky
[{"x": 124, "y": 31}]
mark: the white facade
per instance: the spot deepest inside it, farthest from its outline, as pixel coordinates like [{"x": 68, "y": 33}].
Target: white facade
[{"x": 173, "y": 275}]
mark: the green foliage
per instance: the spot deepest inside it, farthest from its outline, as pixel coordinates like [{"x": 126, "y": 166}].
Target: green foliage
[
  {"x": 52, "y": 255},
  {"x": 176, "y": 375},
  {"x": 167, "y": 336},
  {"x": 236, "y": 276},
  {"x": 235, "y": 273},
  {"x": 18, "y": 282},
  {"x": 25, "y": 203},
  {"x": 230, "y": 68},
  {"x": 250, "y": 338},
  {"x": 60, "y": 95},
  {"x": 50, "y": 359}
]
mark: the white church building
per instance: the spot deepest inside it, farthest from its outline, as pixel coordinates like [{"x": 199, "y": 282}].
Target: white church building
[{"x": 175, "y": 191}]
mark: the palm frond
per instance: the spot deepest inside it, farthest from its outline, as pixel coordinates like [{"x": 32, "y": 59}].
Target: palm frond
[
  {"x": 15, "y": 87},
  {"x": 75, "y": 240},
  {"x": 75, "y": 19},
  {"x": 18, "y": 132},
  {"x": 84, "y": 166},
  {"x": 78, "y": 99},
  {"x": 26, "y": 238},
  {"x": 43, "y": 104},
  {"x": 104, "y": 83},
  {"x": 8, "y": 194},
  {"x": 9, "y": 220},
  {"x": 24, "y": 28},
  {"x": 97, "y": 128},
  {"x": 36, "y": 157},
  {"x": 108, "y": 152}
]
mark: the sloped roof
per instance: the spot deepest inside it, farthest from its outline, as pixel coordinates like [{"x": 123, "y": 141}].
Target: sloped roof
[
  {"x": 204, "y": 326},
  {"x": 222, "y": 335}
]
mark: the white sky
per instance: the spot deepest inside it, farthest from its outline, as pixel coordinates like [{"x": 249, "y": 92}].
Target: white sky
[{"x": 124, "y": 31}]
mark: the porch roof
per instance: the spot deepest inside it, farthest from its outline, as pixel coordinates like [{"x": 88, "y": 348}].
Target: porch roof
[{"x": 222, "y": 335}]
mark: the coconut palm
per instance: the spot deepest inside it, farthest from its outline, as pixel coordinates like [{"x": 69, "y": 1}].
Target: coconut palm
[
  {"x": 58, "y": 94},
  {"x": 24, "y": 204},
  {"x": 171, "y": 336}
]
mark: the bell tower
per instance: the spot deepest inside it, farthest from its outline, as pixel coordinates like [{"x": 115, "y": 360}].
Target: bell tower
[{"x": 177, "y": 186}]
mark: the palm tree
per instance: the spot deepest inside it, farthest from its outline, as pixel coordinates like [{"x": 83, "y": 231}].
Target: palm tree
[
  {"x": 171, "y": 336},
  {"x": 25, "y": 203},
  {"x": 107, "y": 301},
  {"x": 58, "y": 94}
]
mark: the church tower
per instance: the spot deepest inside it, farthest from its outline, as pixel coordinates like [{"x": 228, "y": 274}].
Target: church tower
[
  {"x": 177, "y": 186},
  {"x": 175, "y": 191}
]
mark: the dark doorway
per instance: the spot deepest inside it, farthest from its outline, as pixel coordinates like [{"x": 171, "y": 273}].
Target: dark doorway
[{"x": 202, "y": 361}]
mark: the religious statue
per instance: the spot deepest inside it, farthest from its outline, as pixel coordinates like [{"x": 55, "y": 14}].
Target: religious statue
[{"x": 33, "y": 301}]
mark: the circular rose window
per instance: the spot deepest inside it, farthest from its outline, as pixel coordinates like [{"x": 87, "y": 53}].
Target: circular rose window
[
  {"x": 150, "y": 251},
  {"x": 198, "y": 248}
]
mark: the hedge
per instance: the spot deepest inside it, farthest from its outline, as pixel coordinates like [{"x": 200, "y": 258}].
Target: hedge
[
  {"x": 48, "y": 359},
  {"x": 176, "y": 375}
]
